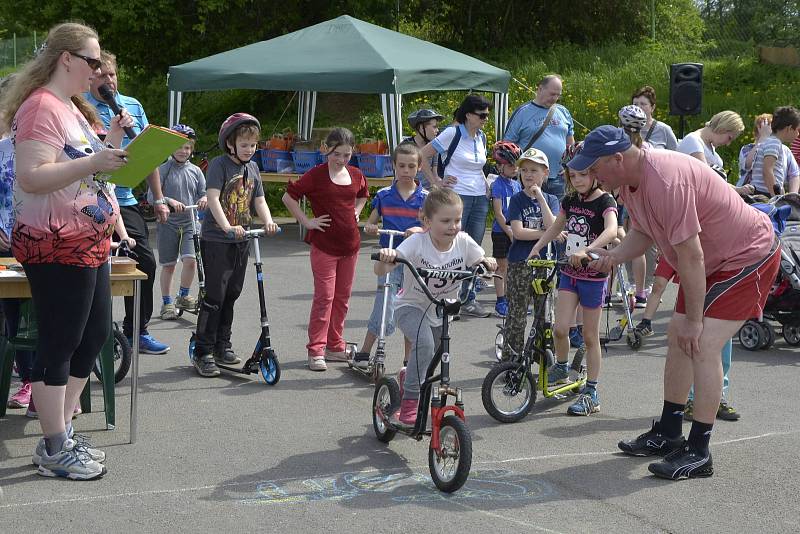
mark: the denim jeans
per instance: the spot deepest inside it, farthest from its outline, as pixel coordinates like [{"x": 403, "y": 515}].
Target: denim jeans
[
  {"x": 396, "y": 281},
  {"x": 473, "y": 222}
]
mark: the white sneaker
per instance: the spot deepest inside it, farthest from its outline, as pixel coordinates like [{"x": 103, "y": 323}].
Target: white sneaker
[
  {"x": 82, "y": 444},
  {"x": 70, "y": 462}
]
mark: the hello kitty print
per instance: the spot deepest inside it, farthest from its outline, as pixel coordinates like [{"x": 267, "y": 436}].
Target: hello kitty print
[{"x": 584, "y": 222}]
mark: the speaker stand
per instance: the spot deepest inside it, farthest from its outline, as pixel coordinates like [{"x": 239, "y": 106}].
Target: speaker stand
[{"x": 683, "y": 125}]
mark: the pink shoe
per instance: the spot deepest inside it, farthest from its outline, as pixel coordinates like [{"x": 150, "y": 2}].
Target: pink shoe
[
  {"x": 22, "y": 398},
  {"x": 407, "y": 414}
]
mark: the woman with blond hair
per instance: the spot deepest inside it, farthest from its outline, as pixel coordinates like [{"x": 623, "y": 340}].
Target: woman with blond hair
[
  {"x": 721, "y": 130},
  {"x": 64, "y": 219}
]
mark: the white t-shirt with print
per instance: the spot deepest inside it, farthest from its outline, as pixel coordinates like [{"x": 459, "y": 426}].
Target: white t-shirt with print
[
  {"x": 419, "y": 250},
  {"x": 692, "y": 144}
]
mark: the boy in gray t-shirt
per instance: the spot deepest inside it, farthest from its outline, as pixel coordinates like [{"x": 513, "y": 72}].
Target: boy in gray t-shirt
[
  {"x": 183, "y": 181},
  {"x": 770, "y": 163}
]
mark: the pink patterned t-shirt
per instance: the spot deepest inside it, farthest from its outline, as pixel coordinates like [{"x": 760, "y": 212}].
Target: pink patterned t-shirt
[{"x": 73, "y": 225}]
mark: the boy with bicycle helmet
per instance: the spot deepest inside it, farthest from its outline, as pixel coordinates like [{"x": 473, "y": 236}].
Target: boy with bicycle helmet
[
  {"x": 234, "y": 190},
  {"x": 504, "y": 187},
  {"x": 183, "y": 181},
  {"x": 425, "y": 124}
]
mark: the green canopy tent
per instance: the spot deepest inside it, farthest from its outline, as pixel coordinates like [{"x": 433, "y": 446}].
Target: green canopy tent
[{"x": 343, "y": 55}]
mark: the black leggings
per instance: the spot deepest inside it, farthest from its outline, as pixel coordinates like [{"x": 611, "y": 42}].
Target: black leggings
[
  {"x": 73, "y": 311},
  {"x": 137, "y": 229}
]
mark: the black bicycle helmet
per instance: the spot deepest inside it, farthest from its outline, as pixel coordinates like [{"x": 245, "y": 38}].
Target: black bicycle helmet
[
  {"x": 184, "y": 129},
  {"x": 422, "y": 115},
  {"x": 229, "y": 126}
]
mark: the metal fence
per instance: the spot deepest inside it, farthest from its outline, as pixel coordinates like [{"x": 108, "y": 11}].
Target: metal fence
[{"x": 17, "y": 49}]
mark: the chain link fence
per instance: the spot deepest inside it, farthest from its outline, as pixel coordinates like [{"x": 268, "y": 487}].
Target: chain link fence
[{"x": 16, "y": 50}]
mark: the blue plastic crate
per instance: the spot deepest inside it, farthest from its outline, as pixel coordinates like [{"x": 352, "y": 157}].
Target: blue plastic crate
[
  {"x": 268, "y": 159},
  {"x": 375, "y": 165},
  {"x": 353, "y": 160},
  {"x": 304, "y": 161}
]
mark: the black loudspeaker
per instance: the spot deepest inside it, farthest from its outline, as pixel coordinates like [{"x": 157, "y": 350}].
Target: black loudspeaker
[{"x": 685, "y": 88}]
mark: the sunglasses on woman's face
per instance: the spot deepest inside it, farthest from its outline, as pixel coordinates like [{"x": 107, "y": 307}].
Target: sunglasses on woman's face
[
  {"x": 93, "y": 63},
  {"x": 482, "y": 115}
]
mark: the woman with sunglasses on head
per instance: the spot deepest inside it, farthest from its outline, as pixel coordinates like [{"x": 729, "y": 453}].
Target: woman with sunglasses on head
[
  {"x": 462, "y": 151},
  {"x": 61, "y": 236}
]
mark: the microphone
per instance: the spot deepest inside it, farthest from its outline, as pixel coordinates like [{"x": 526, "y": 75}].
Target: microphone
[{"x": 108, "y": 97}]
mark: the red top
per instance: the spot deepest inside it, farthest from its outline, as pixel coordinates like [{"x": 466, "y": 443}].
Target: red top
[
  {"x": 796, "y": 149},
  {"x": 341, "y": 238}
]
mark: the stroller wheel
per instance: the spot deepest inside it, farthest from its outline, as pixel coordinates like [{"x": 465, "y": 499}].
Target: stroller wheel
[
  {"x": 769, "y": 335},
  {"x": 751, "y": 335},
  {"x": 791, "y": 333}
]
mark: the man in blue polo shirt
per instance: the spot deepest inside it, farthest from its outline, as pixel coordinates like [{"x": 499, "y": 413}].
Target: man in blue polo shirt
[
  {"x": 129, "y": 208},
  {"x": 527, "y": 120}
]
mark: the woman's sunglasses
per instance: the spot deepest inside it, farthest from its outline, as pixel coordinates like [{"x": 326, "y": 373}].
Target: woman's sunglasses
[
  {"x": 93, "y": 63},
  {"x": 484, "y": 115}
]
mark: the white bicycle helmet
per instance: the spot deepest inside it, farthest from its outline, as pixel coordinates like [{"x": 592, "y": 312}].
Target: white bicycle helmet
[{"x": 632, "y": 118}]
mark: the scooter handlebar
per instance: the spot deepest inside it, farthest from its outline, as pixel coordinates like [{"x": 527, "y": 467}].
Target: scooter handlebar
[{"x": 250, "y": 234}]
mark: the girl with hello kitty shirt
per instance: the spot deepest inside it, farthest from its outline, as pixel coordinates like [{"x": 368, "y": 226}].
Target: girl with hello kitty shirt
[{"x": 589, "y": 216}]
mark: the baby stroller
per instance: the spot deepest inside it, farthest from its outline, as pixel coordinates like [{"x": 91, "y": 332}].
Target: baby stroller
[{"x": 783, "y": 302}]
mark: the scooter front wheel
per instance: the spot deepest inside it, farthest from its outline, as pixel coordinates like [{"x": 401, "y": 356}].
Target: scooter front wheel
[
  {"x": 122, "y": 358},
  {"x": 385, "y": 402},
  {"x": 269, "y": 367},
  {"x": 508, "y": 392},
  {"x": 450, "y": 467}
]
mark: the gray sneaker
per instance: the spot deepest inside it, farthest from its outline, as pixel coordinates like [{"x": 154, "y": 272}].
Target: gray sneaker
[
  {"x": 557, "y": 374},
  {"x": 474, "y": 309},
  {"x": 205, "y": 366},
  {"x": 70, "y": 462},
  {"x": 82, "y": 444},
  {"x": 227, "y": 357}
]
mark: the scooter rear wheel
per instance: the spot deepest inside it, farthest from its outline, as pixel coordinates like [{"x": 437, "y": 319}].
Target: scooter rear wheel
[
  {"x": 499, "y": 341},
  {"x": 450, "y": 470},
  {"x": 269, "y": 367},
  {"x": 191, "y": 348},
  {"x": 385, "y": 402}
]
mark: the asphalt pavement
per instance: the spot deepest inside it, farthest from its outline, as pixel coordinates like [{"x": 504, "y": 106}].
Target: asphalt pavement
[{"x": 232, "y": 453}]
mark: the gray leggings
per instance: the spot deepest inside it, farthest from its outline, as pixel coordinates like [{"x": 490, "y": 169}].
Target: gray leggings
[{"x": 425, "y": 338}]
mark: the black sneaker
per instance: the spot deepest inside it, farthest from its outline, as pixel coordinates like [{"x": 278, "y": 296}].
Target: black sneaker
[
  {"x": 361, "y": 360},
  {"x": 685, "y": 462},
  {"x": 727, "y": 413},
  {"x": 205, "y": 365},
  {"x": 228, "y": 357},
  {"x": 645, "y": 330},
  {"x": 652, "y": 443}
]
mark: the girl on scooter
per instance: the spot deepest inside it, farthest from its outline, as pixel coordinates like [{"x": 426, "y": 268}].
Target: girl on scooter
[{"x": 442, "y": 246}]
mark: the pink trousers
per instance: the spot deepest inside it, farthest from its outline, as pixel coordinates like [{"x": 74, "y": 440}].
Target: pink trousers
[{"x": 333, "y": 281}]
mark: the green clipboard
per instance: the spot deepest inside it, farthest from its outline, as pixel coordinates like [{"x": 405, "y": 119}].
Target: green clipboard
[{"x": 147, "y": 151}]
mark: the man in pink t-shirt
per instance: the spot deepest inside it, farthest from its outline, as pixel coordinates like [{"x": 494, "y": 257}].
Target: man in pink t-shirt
[{"x": 726, "y": 255}]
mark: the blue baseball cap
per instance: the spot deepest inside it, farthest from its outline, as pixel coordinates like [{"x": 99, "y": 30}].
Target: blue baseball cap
[{"x": 602, "y": 141}]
